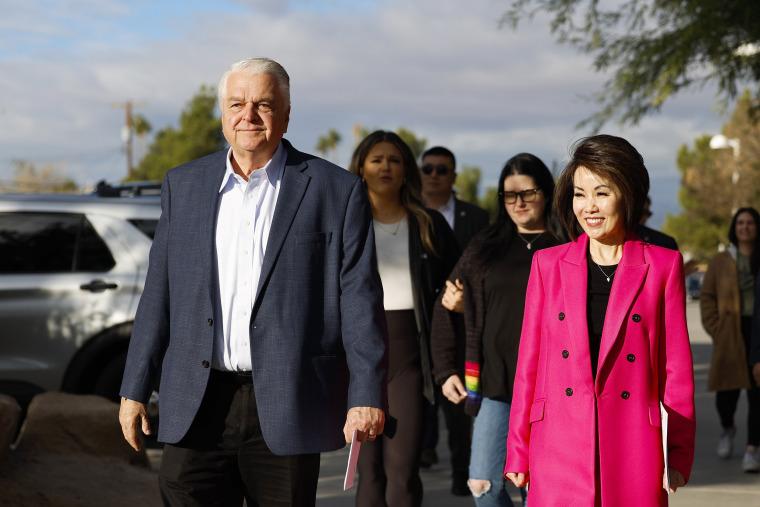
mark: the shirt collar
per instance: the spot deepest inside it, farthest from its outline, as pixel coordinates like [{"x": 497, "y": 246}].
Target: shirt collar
[
  {"x": 273, "y": 169},
  {"x": 449, "y": 204}
]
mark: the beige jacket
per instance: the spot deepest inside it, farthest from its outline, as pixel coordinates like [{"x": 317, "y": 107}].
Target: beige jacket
[{"x": 720, "y": 305}]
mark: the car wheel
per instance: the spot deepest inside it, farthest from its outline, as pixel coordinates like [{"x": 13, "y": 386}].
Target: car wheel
[{"x": 108, "y": 381}]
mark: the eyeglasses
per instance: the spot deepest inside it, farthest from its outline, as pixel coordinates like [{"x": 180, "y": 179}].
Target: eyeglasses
[
  {"x": 526, "y": 195},
  {"x": 440, "y": 169}
]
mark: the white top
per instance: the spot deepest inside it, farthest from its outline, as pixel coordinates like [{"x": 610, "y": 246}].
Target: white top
[
  {"x": 244, "y": 218},
  {"x": 447, "y": 210},
  {"x": 392, "y": 245}
]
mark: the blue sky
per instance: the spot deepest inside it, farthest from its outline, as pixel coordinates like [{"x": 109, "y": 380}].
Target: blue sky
[{"x": 441, "y": 68}]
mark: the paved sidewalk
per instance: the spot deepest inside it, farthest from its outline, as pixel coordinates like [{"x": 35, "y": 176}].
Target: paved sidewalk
[{"x": 714, "y": 482}]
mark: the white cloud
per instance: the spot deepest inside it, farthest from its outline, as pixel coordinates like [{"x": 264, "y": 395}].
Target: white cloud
[{"x": 442, "y": 68}]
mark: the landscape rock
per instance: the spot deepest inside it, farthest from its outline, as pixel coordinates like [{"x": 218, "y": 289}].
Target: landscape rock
[
  {"x": 10, "y": 412},
  {"x": 71, "y": 453},
  {"x": 66, "y": 424}
]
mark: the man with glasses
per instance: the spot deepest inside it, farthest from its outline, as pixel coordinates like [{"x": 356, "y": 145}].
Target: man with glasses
[{"x": 465, "y": 219}]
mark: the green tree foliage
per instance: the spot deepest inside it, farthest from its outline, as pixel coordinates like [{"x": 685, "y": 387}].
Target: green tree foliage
[
  {"x": 655, "y": 48},
  {"x": 47, "y": 179},
  {"x": 491, "y": 202},
  {"x": 199, "y": 134},
  {"x": 416, "y": 144},
  {"x": 141, "y": 127},
  {"x": 467, "y": 183},
  {"x": 468, "y": 189},
  {"x": 715, "y": 183},
  {"x": 329, "y": 142}
]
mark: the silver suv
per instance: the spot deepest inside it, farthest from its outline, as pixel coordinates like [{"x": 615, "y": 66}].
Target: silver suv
[{"x": 72, "y": 269}]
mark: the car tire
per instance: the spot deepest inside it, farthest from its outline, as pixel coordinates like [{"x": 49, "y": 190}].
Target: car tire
[{"x": 108, "y": 382}]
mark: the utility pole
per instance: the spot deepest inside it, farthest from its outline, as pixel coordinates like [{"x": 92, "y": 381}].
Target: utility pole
[{"x": 126, "y": 132}]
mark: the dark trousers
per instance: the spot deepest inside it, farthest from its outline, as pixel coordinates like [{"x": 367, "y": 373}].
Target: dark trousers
[
  {"x": 389, "y": 466},
  {"x": 223, "y": 457},
  {"x": 726, "y": 401}
]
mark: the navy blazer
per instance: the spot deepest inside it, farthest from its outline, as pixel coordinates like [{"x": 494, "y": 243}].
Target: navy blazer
[{"x": 318, "y": 331}]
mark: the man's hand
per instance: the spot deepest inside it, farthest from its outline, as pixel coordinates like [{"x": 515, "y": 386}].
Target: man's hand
[
  {"x": 756, "y": 372},
  {"x": 454, "y": 390},
  {"x": 452, "y": 298},
  {"x": 368, "y": 420},
  {"x": 133, "y": 415},
  {"x": 676, "y": 480}
]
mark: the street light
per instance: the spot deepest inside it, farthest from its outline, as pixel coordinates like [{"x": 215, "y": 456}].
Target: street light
[{"x": 721, "y": 142}]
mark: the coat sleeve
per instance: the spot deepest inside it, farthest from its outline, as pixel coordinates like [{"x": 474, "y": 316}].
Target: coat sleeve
[
  {"x": 363, "y": 326},
  {"x": 676, "y": 372},
  {"x": 443, "y": 336},
  {"x": 708, "y": 299},
  {"x": 518, "y": 439},
  {"x": 150, "y": 332}
]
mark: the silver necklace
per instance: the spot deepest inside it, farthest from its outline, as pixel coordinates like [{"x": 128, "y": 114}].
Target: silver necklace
[
  {"x": 392, "y": 233},
  {"x": 529, "y": 243},
  {"x": 605, "y": 274}
]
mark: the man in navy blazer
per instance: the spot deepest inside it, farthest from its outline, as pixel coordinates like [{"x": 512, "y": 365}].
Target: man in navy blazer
[{"x": 262, "y": 312}]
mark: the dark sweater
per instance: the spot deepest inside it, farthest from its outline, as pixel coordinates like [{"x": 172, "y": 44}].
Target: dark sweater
[{"x": 494, "y": 301}]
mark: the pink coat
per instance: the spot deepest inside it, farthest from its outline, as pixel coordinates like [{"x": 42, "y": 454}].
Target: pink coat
[{"x": 587, "y": 443}]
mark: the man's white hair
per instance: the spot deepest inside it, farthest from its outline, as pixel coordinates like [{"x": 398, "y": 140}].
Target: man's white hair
[{"x": 256, "y": 67}]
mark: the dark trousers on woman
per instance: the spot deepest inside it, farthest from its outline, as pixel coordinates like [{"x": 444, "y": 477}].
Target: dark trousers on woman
[
  {"x": 389, "y": 467},
  {"x": 726, "y": 401},
  {"x": 223, "y": 458}
]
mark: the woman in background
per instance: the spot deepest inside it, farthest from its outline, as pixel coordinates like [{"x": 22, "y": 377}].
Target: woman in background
[
  {"x": 415, "y": 251},
  {"x": 727, "y": 301},
  {"x": 493, "y": 275}
]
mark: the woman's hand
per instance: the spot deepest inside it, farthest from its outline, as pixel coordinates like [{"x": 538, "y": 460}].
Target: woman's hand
[
  {"x": 454, "y": 390},
  {"x": 676, "y": 480},
  {"x": 453, "y": 299},
  {"x": 517, "y": 479}
]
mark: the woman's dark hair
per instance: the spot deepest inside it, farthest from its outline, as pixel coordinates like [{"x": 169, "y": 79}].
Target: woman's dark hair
[
  {"x": 754, "y": 260},
  {"x": 497, "y": 237},
  {"x": 615, "y": 160},
  {"x": 411, "y": 190}
]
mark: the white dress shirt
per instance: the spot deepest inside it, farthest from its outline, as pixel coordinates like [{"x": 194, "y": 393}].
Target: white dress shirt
[
  {"x": 447, "y": 210},
  {"x": 244, "y": 218}
]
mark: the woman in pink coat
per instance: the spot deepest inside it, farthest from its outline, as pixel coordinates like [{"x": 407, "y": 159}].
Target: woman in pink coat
[{"x": 603, "y": 342}]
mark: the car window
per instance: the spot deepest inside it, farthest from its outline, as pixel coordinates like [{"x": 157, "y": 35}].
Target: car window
[
  {"x": 50, "y": 243},
  {"x": 147, "y": 226}
]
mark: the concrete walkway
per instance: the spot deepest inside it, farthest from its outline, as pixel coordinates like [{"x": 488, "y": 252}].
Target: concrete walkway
[{"x": 714, "y": 482}]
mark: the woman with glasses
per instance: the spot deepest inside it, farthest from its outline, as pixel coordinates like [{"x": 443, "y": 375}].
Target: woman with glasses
[
  {"x": 493, "y": 272},
  {"x": 604, "y": 342},
  {"x": 727, "y": 303},
  {"x": 415, "y": 251}
]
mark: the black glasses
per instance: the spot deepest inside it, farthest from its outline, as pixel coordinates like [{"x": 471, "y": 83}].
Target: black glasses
[
  {"x": 440, "y": 169},
  {"x": 526, "y": 195}
]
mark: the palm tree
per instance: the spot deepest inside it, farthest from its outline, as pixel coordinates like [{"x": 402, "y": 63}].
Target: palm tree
[{"x": 329, "y": 142}]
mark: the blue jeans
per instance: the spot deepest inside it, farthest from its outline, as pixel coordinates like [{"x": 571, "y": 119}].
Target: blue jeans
[{"x": 489, "y": 451}]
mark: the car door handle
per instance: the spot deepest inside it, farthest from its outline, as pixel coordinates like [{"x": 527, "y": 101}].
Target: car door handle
[{"x": 98, "y": 286}]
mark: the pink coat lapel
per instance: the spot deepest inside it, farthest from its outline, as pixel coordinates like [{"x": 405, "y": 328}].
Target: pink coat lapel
[
  {"x": 629, "y": 278},
  {"x": 574, "y": 274}
]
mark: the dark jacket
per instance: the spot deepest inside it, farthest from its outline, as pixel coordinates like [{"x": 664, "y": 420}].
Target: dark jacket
[
  {"x": 468, "y": 220},
  {"x": 429, "y": 274}
]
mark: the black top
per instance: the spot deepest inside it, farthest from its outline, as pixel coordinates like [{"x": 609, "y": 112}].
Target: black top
[
  {"x": 505, "y": 286},
  {"x": 596, "y": 305}
]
